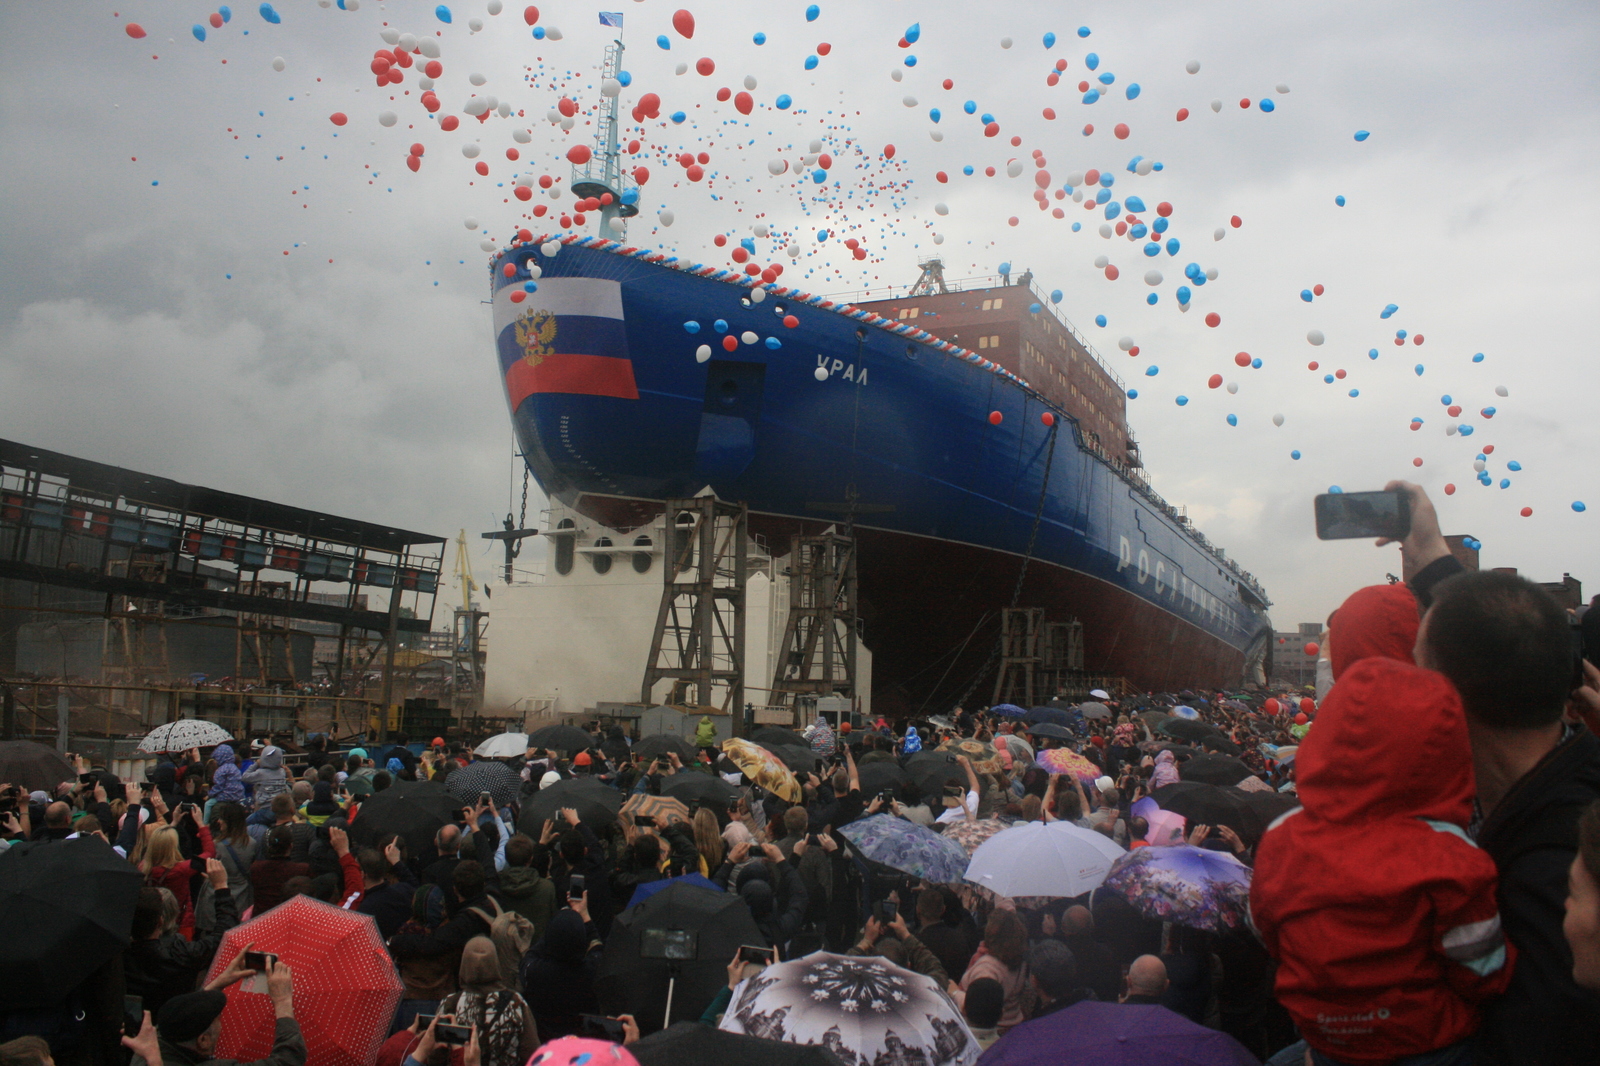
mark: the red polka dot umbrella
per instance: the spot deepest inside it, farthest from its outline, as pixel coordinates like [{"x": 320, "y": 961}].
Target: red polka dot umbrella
[{"x": 345, "y": 986}]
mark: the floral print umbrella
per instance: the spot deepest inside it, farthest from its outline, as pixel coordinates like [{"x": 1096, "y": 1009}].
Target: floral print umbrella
[
  {"x": 984, "y": 759},
  {"x": 971, "y": 834},
  {"x": 864, "y": 1009},
  {"x": 182, "y": 735},
  {"x": 764, "y": 768},
  {"x": 908, "y": 847},
  {"x": 1191, "y": 886},
  {"x": 1065, "y": 761}
]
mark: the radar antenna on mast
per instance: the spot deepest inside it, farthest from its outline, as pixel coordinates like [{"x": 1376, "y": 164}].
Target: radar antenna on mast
[{"x": 603, "y": 175}]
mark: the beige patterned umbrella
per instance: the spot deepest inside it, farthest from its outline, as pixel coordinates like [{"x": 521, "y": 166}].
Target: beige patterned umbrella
[
  {"x": 984, "y": 759},
  {"x": 764, "y": 768},
  {"x": 641, "y": 805}
]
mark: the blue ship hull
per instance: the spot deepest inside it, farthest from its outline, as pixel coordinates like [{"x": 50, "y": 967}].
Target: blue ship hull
[{"x": 615, "y": 401}]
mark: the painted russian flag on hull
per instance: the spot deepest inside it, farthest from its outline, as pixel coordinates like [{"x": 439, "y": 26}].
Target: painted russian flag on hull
[{"x": 568, "y": 336}]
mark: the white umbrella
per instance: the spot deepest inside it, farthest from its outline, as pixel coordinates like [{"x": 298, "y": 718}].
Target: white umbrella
[
  {"x": 503, "y": 746},
  {"x": 864, "y": 1009},
  {"x": 184, "y": 734},
  {"x": 1037, "y": 859}
]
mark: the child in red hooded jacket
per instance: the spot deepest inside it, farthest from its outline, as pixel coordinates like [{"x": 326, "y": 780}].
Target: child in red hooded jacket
[{"x": 1380, "y": 911}]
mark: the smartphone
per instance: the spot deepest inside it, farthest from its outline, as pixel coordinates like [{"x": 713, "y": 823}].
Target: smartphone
[
  {"x": 485, "y": 800},
  {"x": 749, "y": 953},
  {"x": 87, "y": 779},
  {"x": 424, "y": 1020},
  {"x": 887, "y": 795},
  {"x": 1350, "y": 515},
  {"x": 812, "y": 840},
  {"x": 132, "y": 1015},
  {"x": 949, "y": 758},
  {"x": 602, "y": 1027},
  {"x": 677, "y": 945},
  {"x": 257, "y": 960},
  {"x": 454, "y": 1035},
  {"x": 886, "y": 910},
  {"x": 575, "y": 887}
]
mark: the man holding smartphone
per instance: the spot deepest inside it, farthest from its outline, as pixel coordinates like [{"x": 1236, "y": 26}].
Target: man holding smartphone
[{"x": 188, "y": 1028}]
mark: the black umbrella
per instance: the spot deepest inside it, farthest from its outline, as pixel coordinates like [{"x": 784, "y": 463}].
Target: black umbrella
[
  {"x": 797, "y": 757},
  {"x": 657, "y": 746},
  {"x": 877, "y": 776},
  {"x": 1186, "y": 729},
  {"x": 495, "y": 778},
  {"x": 33, "y": 767},
  {"x": 1094, "y": 710},
  {"x": 1213, "y": 805},
  {"x": 692, "y": 1042},
  {"x": 777, "y": 734},
  {"x": 68, "y": 909},
  {"x": 1214, "y": 770},
  {"x": 930, "y": 771},
  {"x": 628, "y": 983},
  {"x": 1217, "y": 742},
  {"x": 416, "y": 810},
  {"x": 567, "y": 738},
  {"x": 1053, "y": 715},
  {"x": 1050, "y": 729},
  {"x": 597, "y": 805},
  {"x": 699, "y": 790}
]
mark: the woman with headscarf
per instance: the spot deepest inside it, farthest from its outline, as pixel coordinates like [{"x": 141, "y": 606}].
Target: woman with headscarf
[
  {"x": 507, "y": 1034},
  {"x": 913, "y": 743},
  {"x": 1165, "y": 772},
  {"x": 558, "y": 972}
]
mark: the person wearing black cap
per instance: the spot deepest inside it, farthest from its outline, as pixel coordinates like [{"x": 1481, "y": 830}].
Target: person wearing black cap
[{"x": 188, "y": 1027}]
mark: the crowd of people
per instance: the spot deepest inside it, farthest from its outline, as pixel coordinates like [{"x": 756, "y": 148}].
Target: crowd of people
[{"x": 1420, "y": 849}]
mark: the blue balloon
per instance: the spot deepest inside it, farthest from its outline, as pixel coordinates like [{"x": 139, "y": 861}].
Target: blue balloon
[
  {"x": 1152, "y": 299},
  {"x": 1107, "y": 78},
  {"x": 913, "y": 32},
  {"x": 678, "y": 118},
  {"x": 1049, "y": 40},
  {"x": 1173, "y": 246},
  {"x": 749, "y": 245},
  {"x": 691, "y": 327},
  {"x": 1151, "y": 371},
  {"x": 631, "y": 196},
  {"x": 1103, "y": 196},
  {"x": 1100, "y": 320},
  {"x": 782, "y": 102},
  {"x": 1083, "y": 31},
  {"x": 822, "y": 235},
  {"x": 970, "y": 107},
  {"x": 1488, "y": 412},
  {"x": 1133, "y": 164},
  {"x": 1107, "y": 179},
  {"x": 226, "y": 12},
  {"x": 1466, "y": 430},
  {"x": 812, "y": 12},
  {"x": 1327, "y": 379},
  {"x": 1255, "y": 364},
  {"x": 1355, "y": 392},
  {"x": 663, "y": 43},
  {"x": 1334, "y": 490},
  {"x": 1446, "y": 400},
  {"x": 1132, "y": 91},
  {"x": 1339, "y": 199},
  {"x": 199, "y": 32},
  {"x": 986, "y": 118},
  {"x": 1372, "y": 353},
  {"x": 933, "y": 114},
  {"x": 1076, "y": 226},
  {"x": 1091, "y": 61},
  {"x": 967, "y": 170},
  {"x": 1005, "y": 268},
  {"x": 1091, "y": 96},
  {"x": 538, "y": 33},
  {"x": 1513, "y": 466},
  {"x": 1400, "y": 333},
  {"x": 1579, "y": 506},
  {"x": 1418, "y": 369},
  {"x": 1295, "y": 454},
  {"x": 1305, "y": 294},
  {"x": 624, "y": 78},
  {"x": 1034, "y": 309},
  {"x": 1267, "y": 105},
  {"x": 1388, "y": 310},
  {"x": 1183, "y": 294},
  {"x": 760, "y": 38},
  {"x": 811, "y": 62},
  {"x": 1113, "y": 209},
  {"x": 911, "y": 61},
  {"x": 271, "y": 15},
  {"x": 720, "y": 325},
  {"x": 1152, "y": 248},
  {"x": 1133, "y": 394},
  {"x": 442, "y": 13},
  {"x": 1133, "y": 203},
  {"x": 1233, "y": 420},
  {"x": 1478, "y": 358},
  {"x": 1362, "y": 135},
  {"x": 1138, "y": 230},
  {"x": 1182, "y": 401},
  {"x": 774, "y": 343},
  {"x": 1505, "y": 483}
]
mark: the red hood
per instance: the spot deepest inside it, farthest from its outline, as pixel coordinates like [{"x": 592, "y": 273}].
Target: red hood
[
  {"x": 1390, "y": 741},
  {"x": 1377, "y": 620}
]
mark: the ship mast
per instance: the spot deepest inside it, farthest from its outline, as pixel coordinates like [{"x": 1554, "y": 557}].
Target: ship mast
[{"x": 603, "y": 172}]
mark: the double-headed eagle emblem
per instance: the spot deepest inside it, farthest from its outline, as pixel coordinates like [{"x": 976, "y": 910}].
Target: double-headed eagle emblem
[{"x": 536, "y": 333}]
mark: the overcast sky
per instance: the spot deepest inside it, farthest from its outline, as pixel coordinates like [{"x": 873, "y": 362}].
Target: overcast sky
[{"x": 356, "y": 373}]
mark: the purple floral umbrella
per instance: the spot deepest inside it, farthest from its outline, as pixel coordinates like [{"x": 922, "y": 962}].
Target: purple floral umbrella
[
  {"x": 908, "y": 847},
  {"x": 864, "y": 1009},
  {"x": 1062, "y": 761},
  {"x": 1188, "y": 885}
]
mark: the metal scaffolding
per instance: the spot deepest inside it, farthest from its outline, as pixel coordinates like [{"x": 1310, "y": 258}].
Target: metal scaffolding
[
  {"x": 818, "y": 653},
  {"x": 698, "y": 642}
]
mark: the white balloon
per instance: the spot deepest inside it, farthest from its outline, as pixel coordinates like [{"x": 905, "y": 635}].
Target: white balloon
[
  {"x": 1220, "y": 233},
  {"x": 1211, "y": 273},
  {"x": 567, "y": 123},
  {"x": 811, "y": 160},
  {"x": 610, "y": 87},
  {"x": 748, "y": 337},
  {"x": 428, "y": 45},
  {"x": 493, "y": 7},
  {"x": 477, "y": 79},
  {"x": 910, "y": 101},
  {"x": 1075, "y": 178},
  {"x": 757, "y": 294},
  {"x": 1144, "y": 166},
  {"x": 760, "y": 229},
  {"x": 1216, "y": 105},
  {"x": 1152, "y": 277},
  {"x": 390, "y": 36},
  {"x": 533, "y": 270},
  {"x": 472, "y": 223},
  {"x": 1450, "y": 430},
  {"x": 1315, "y": 337},
  {"x": 475, "y": 106},
  {"x": 1014, "y": 169},
  {"x": 793, "y": 250},
  {"x": 1183, "y": 308},
  {"x": 388, "y": 118},
  {"x": 474, "y": 24},
  {"x": 551, "y": 33},
  {"x": 702, "y": 353},
  {"x": 897, "y": 74},
  {"x": 1233, "y": 388},
  {"x": 666, "y": 217},
  {"x": 938, "y": 238},
  {"x": 470, "y": 151},
  {"x": 549, "y": 248},
  {"x": 1479, "y": 465},
  {"x": 1501, "y": 390},
  {"x": 554, "y": 192},
  {"x": 777, "y": 166},
  {"x": 617, "y": 225},
  {"x": 1125, "y": 343},
  {"x": 278, "y": 64},
  {"x": 1193, "y": 66},
  {"x": 1282, "y": 88},
  {"x": 526, "y": 181},
  {"x": 408, "y": 41},
  {"x": 553, "y": 115},
  {"x": 352, "y": 5},
  {"x": 486, "y": 245},
  {"x": 937, "y": 135},
  {"x": 1077, "y": 196},
  {"x": 1005, "y": 42},
  {"x": 749, "y": 81},
  {"x": 941, "y": 209},
  {"x": 1106, "y": 230},
  {"x": 1100, "y": 262},
  {"x": 424, "y": 84},
  {"x": 521, "y": 136},
  {"x": 681, "y": 69},
  {"x": 504, "y": 110},
  {"x": 814, "y": 147},
  {"x": 820, "y": 373},
  {"x": 1277, "y": 420},
  {"x": 492, "y": 100}
]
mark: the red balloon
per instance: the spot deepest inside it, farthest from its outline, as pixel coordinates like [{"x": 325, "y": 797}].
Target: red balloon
[
  {"x": 1244, "y": 102},
  {"x": 1449, "y": 490},
  {"x": 415, "y": 163},
  {"x": 402, "y": 58},
  {"x": 579, "y": 154},
  {"x": 824, "y": 48},
  {"x": 566, "y": 107},
  {"x": 1242, "y": 359},
  {"x": 482, "y": 168},
  {"x": 136, "y": 31},
  {"x": 338, "y": 118},
  {"x": 1134, "y": 351},
  {"x": 723, "y": 94},
  {"x": 1311, "y": 365},
  {"x": 729, "y": 343},
  {"x": 1271, "y": 706},
  {"x": 1050, "y": 114},
  {"x": 1311, "y": 649},
  {"x": 1048, "y": 419},
  {"x": 216, "y": 20},
  {"x": 1183, "y": 113},
  {"x": 1417, "y": 339},
  {"x": 1488, "y": 449},
  {"x": 1112, "y": 272},
  {"x": 860, "y": 253},
  {"x": 995, "y": 418},
  {"x": 430, "y": 103},
  {"x": 448, "y": 123},
  {"x": 509, "y": 270},
  {"x": 888, "y": 151},
  {"x": 825, "y": 161},
  {"x": 1213, "y": 320},
  {"x": 522, "y": 192},
  {"x": 1302, "y": 718},
  {"x": 650, "y": 104},
  {"x": 418, "y": 149},
  {"x": 545, "y": 181},
  {"x": 740, "y": 255},
  {"x": 433, "y": 69},
  {"x": 1417, "y": 461},
  {"x": 530, "y": 14},
  {"x": 641, "y": 175},
  {"x": 1339, "y": 374},
  {"x": 1316, "y": 290},
  {"x": 1214, "y": 381},
  {"x": 1052, "y": 78},
  {"x": 1164, "y": 209},
  {"x": 512, "y": 154},
  {"x": 696, "y": 172},
  {"x": 941, "y": 177},
  {"x": 518, "y": 295},
  {"x": 1121, "y": 131},
  {"x": 380, "y": 66},
  {"x": 1454, "y": 410},
  {"x": 683, "y": 22},
  {"x": 705, "y": 66},
  {"x": 1235, "y": 221},
  {"x": 743, "y": 103},
  {"x": 524, "y": 235},
  {"x": 790, "y": 321},
  {"x": 1092, "y": 177},
  {"x": 1307, "y": 704},
  {"x": 686, "y": 159},
  {"x": 992, "y": 129}
]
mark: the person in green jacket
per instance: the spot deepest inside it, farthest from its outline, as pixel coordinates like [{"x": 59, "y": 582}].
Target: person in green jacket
[
  {"x": 705, "y": 734},
  {"x": 524, "y": 888}
]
